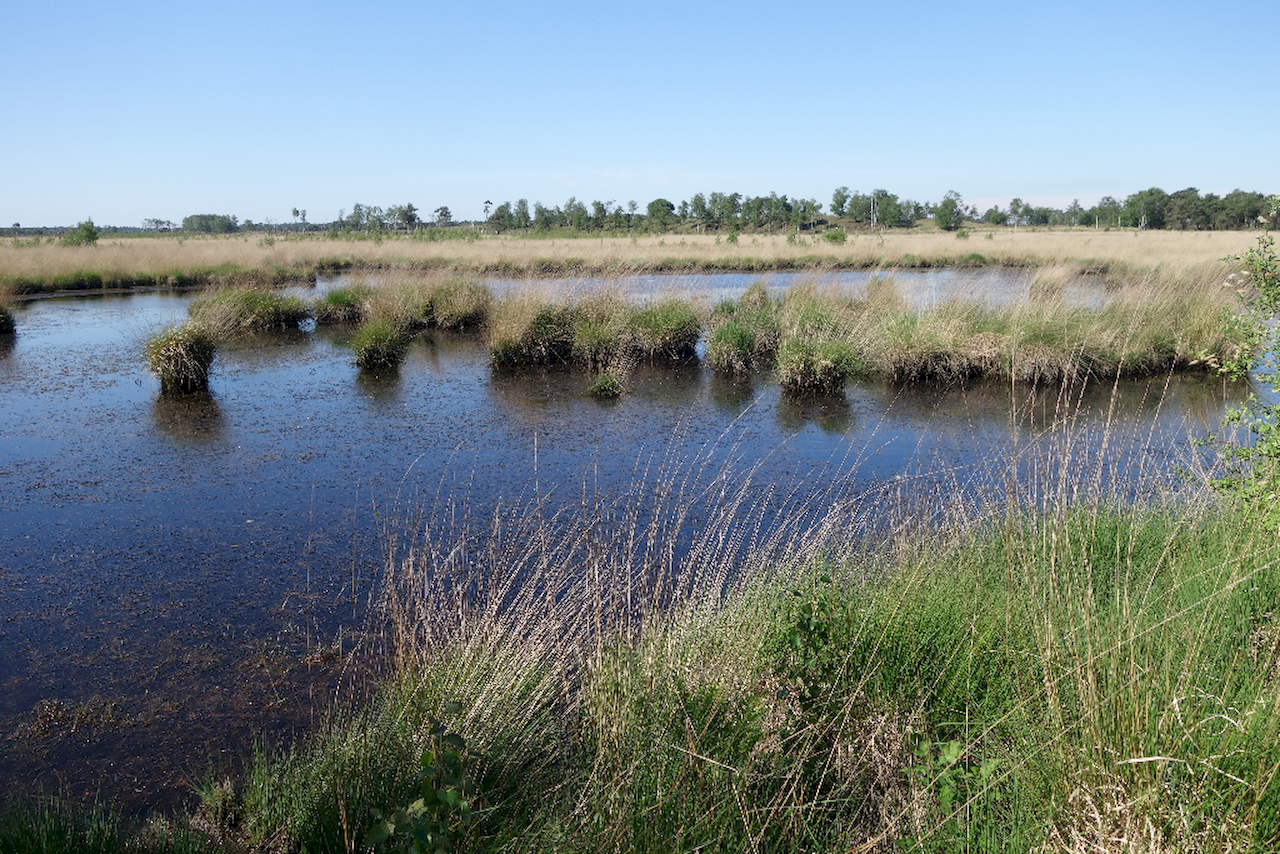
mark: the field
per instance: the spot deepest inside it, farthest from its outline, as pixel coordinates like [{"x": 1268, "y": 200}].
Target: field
[{"x": 171, "y": 260}]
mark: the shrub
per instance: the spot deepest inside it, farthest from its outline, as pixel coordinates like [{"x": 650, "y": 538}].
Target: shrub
[
  {"x": 84, "y": 234},
  {"x": 835, "y": 235},
  {"x": 379, "y": 344},
  {"x": 181, "y": 358}
]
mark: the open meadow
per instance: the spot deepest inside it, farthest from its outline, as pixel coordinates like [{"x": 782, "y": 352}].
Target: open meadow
[{"x": 162, "y": 260}]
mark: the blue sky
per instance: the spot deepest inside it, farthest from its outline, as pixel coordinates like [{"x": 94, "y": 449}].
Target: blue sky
[{"x": 167, "y": 109}]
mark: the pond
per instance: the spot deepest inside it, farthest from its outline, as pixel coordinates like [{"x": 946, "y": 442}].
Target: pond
[{"x": 181, "y": 576}]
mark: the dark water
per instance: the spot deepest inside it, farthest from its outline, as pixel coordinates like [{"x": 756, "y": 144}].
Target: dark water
[{"x": 181, "y": 576}]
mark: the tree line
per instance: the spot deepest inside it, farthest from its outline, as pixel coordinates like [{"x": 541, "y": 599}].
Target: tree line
[{"x": 733, "y": 212}]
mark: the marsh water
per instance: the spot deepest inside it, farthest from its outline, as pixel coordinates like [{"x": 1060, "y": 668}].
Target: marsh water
[{"x": 178, "y": 576}]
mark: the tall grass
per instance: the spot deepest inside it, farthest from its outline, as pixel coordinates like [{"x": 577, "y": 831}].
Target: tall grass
[
  {"x": 241, "y": 311},
  {"x": 604, "y": 332},
  {"x": 7, "y": 325},
  {"x": 1053, "y": 674},
  {"x": 1147, "y": 325},
  {"x": 244, "y": 259}
]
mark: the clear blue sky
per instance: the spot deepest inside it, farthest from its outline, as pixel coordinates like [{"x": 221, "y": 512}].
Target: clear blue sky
[{"x": 147, "y": 109}]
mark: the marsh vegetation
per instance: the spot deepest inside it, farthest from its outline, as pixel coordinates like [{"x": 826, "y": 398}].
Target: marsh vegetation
[{"x": 1051, "y": 652}]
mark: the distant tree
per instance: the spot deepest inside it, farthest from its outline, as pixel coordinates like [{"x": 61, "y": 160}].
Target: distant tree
[
  {"x": 84, "y": 234},
  {"x": 631, "y": 210},
  {"x": 885, "y": 209},
  {"x": 839, "y": 199},
  {"x": 698, "y": 208},
  {"x": 995, "y": 216},
  {"x": 659, "y": 213},
  {"x": 17, "y": 225},
  {"x": 1016, "y": 206},
  {"x": 1241, "y": 209},
  {"x": 575, "y": 215},
  {"x": 948, "y": 214},
  {"x": 1146, "y": 209},
  {"x": 1185, "y": 210},
  {"x": 443, "y": 216},
  {"x": 403, "y": 217},
  {"x": 522, "y": 219},
  {"x": 211, "y": 223},
  {"x": 487, "y": 204},
  {"x": 502, "y": 218}
]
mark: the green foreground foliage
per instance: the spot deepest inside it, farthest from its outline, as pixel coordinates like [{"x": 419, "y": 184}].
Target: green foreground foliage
[{"x": 1095, "y": 679}]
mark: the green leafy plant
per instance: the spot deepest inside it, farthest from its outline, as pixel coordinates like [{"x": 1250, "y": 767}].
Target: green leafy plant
[
  {"x": 1252, "y": 481},
  {"x": 961, "y": 789},
  {"x": 84, "y": 234},
  {"x": 439, "y": 819}
]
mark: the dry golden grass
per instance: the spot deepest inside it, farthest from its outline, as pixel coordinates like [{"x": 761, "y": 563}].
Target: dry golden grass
[{"x": 132, "y": 259}]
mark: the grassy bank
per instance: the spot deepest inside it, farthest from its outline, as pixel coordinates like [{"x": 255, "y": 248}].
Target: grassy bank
[
  {"x": 1091, "y": 678},
  {"x": 265, "y": 260}
]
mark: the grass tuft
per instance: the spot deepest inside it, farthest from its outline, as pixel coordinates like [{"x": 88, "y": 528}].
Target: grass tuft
[
  {"x": 242, "y": 311},
  {"x": 379, "y": 345},
  {"x": 181, "y": 358}
]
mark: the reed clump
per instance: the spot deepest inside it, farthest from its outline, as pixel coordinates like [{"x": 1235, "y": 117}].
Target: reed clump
[
  {"x": 601, "y": 332},
  {"x": 342, "y": 306},
  {"x": 379, "y": 344},
  {"x": 818, "y": 333},
  {"x": 243, "y": 311},
  {"x": 181, "y": 357},
  {"x": 7, "y": 324},
  {"x": 744, "y": 333}
]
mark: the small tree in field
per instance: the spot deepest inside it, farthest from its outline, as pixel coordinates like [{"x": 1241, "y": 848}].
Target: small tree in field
[
  {"x": 84, "y": 234},
  {"x": 949, "y": 214}
]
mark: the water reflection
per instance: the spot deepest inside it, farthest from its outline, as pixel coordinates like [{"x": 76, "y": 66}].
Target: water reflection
[
  {"x": 381, "y": 387},
  {"x": 192, "y": 417},
  {"x": 732, "y": 394},
  {"x": 832, "y": 413}
]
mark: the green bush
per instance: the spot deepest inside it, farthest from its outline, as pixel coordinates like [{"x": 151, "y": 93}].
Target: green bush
[{"x": 84, "y": 234}]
